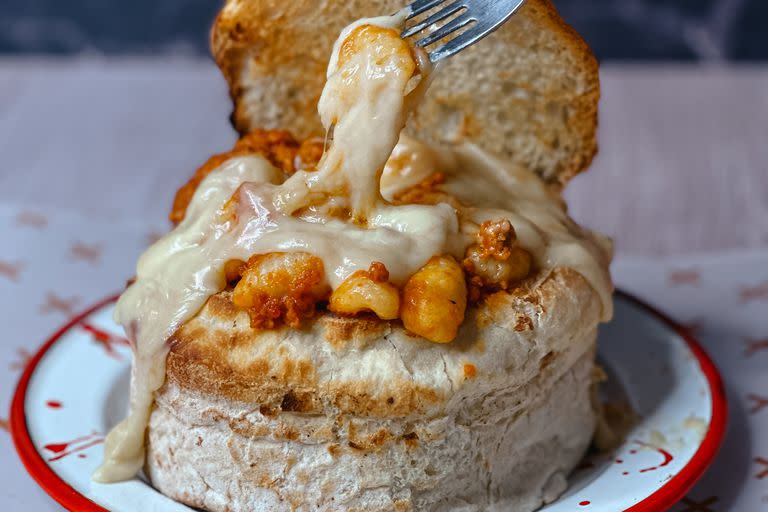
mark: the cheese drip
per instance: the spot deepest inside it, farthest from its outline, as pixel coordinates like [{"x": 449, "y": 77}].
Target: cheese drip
[
  {"x": 372, "y": 85},
  {"x": 374, "y": 78}
]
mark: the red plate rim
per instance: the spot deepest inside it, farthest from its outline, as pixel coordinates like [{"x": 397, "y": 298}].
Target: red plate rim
[
  {"x": 664, "y": 497},
  {"x": 678, "y": 486},
  {"x": 36, "y": 466}
]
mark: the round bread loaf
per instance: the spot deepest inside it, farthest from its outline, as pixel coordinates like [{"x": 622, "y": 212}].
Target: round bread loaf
[{"x": 357, "y": 414}]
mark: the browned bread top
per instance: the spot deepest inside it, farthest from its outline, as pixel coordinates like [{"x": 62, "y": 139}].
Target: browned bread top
[
  {"x": 370, "y": 368},
  {"x": 528, "y": 92}
]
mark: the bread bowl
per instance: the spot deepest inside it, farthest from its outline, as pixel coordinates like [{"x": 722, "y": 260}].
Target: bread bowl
[{"x": 384, "y": 320}]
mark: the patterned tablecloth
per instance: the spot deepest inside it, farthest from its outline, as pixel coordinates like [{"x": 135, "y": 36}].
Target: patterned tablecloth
[{"x": 52, "y": 266}]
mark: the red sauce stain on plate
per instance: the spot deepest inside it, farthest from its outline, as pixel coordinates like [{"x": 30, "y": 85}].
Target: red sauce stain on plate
[
  {"x": 54, "y": 404},
  {"x": 67, "y": 448},
  {"x": 107, "y": 340},
  {"x": 585, "y": 503},
  {"x": 664, "y": 453}
]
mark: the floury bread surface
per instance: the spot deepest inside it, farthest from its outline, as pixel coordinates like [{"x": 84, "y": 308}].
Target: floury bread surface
[{"x": 359, "y": 415}]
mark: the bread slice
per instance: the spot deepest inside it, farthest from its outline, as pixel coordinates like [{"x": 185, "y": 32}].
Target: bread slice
[
  {"x": 352, "y": 414},
  {"x": 528, "y": 92}
]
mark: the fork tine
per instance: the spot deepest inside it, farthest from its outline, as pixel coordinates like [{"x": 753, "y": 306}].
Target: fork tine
[
  {"x": 421, "y": 6},
  {"x": 456, "y": 44},
  {"x": 434, "y": 18},
  {"x": 488, "y": 16},
  {"x": 451, "y": 26}
]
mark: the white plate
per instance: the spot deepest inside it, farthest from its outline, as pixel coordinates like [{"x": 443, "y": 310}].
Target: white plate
[{"x": 75, "y": 388}]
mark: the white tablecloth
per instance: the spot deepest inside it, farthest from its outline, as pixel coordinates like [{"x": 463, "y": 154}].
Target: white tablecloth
[{"x": 92, "y": 152}]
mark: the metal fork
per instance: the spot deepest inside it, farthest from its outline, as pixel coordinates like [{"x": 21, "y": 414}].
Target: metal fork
[{"x": 480, "y": 16}]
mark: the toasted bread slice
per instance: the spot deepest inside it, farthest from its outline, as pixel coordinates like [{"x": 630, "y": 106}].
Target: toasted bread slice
[{"x": 528, "y": 92}]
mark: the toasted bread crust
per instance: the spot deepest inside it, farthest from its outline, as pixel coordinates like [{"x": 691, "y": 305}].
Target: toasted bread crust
[
  {"x": 354, "y": 414},
  {"x": 219, "y": 354},
  {"x": 501, "y": 448},
  {"x": 528, "y": 92}
]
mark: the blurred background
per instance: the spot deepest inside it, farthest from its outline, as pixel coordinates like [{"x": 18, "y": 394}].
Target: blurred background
[{"x": 616, "y": 29}]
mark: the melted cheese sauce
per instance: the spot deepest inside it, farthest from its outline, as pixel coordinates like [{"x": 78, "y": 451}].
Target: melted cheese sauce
[
  {"x": 370, "y": 90},
  {"x": 494, "y": 189},
  {"x": 374, "y": 80}
]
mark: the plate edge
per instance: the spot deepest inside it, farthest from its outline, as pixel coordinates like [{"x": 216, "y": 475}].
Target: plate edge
[
  {"x": 33, "y": 462},
  {"x": 664, "y": 497},
  {"x": 678, "y": 486}
]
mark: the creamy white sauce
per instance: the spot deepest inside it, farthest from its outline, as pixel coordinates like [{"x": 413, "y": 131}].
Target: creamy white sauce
[
  {"x": 367, "y": 105},
  {"x": 366, "y": 101},
  {"x": 494, "y": 189},
  {"x": 174, "y": 277}
]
